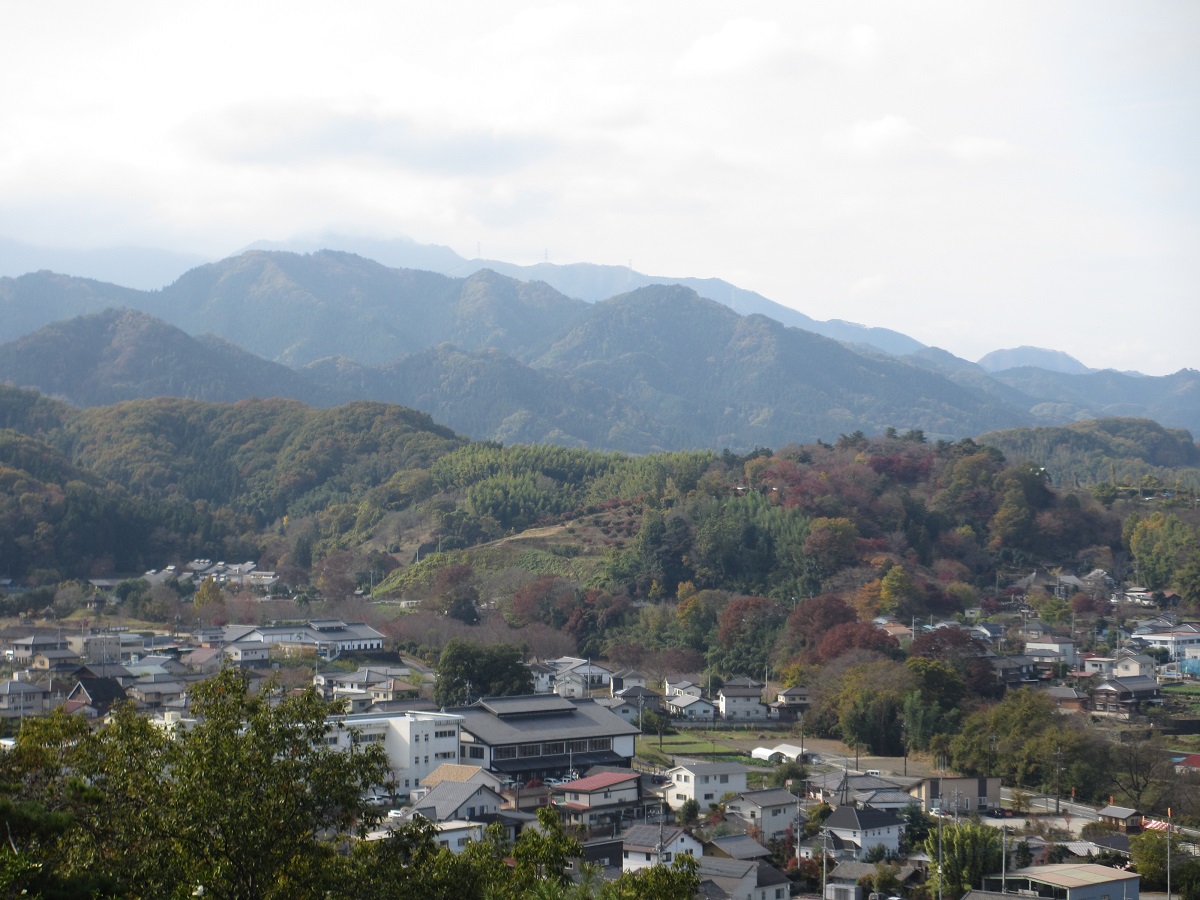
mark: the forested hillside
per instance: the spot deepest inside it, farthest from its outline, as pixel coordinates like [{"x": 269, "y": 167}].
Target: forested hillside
[{"x": 1133, "y": 453}]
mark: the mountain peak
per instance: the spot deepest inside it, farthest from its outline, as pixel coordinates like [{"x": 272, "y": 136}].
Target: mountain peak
[{"x": 1035, "y": 357}]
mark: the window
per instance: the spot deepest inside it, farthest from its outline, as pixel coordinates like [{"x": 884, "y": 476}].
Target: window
[
  {"x": 554, "y": 747},
  {"x": 504, "y": 753},
  {"x": 475, "y": 752},
  {"x": 444, "y": 734},
  {"x": 600, "y": 744},
  {"x": 527, "y": 750},
  {"x": 681, "y": 796},
  {"x": 724, "y": 779}
]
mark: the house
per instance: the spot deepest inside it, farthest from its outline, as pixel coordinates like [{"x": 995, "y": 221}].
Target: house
[
  {"x": 96, "y": 647},
  {"x": 1133, "y": 665},
  {"x": 543, "y": 677},
  {"x": 54, "y": 661},
  {"x": 752, "y": 879},
  {"x": 863, "y": 830},
  {"x": 791, "y": 703},
  {"x": 462, "y": 800},
  {"x": 741, "y": 700},
  {"x": 248, "y": 655},
  {"x": 771, "y": 811},
  {"x": 22, "y": 650},
  {"x": 1015, "y": 670},
  {"x": 838, "y": 787},
  {"x": 460, "y": 774},
  {"x": 1121, "y": 818},
  {"x": 96, "y": 696},
  {"x": 889, "y": 799},
  {"x": 542, "y": 736},
  {"x": 643, "y": 846},
  {"x": 602, "y": 800},
  {"x": 1060, "y": 649},
  {"x": 706, "y": 783},
  {"x": 679, "y": 685},
  {"x": 957, "y": 795},
  {"x": 736, "y": 846},
  {"x": 153, "y": 695},
  {"x": 688, "y": 706},
  {"x": 1067, "y": 699},
  {"x": 627, "y": 678},
  {"x": 19, "y": 699},
  {"x": 1124, "y": 696},
  {"x": 574, "y": 677},
  {"x": 1065, "y": 881}
]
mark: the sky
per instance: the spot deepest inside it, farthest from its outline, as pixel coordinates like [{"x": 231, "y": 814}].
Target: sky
[{"x": 976, "y": 175}]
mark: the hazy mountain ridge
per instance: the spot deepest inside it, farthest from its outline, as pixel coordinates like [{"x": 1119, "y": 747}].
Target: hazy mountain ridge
[{"x": 659, "y": 367}]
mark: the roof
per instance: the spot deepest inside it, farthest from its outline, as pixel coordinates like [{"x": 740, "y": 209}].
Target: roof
[
  {"x": 445, "y": 799},
  {"x": 598, "y": 782},
  {"x": 769, "y": 797},
  {"x": 1117, "y": 812},
  {"x": 1073, "y": 875},
  {"x": 558, "y": 719},
  {"x": 854, "y": 819},
  {"x": 647, "y": 836},
  {"x": 685, "y": 700},
  {"x": 454, "y": 772},
  {"x": 740, "y": 846}
]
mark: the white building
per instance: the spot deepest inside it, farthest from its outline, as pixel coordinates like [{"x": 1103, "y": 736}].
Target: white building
[
  {"x": 862, "y": 830},
  {"x": 416, "y": 743},
  {"x": 706, "y": 783},
  {"x": 640, "y": 846}
]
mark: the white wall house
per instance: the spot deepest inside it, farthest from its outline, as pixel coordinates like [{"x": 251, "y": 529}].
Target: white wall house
[
  {"x": 706, "y": 783},
  {"x": 862, "y": 830},
  {"x": 639, "y": 847}
]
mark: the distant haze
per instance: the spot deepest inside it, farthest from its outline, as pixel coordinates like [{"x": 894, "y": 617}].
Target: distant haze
[{"x": 976, "y": 176}]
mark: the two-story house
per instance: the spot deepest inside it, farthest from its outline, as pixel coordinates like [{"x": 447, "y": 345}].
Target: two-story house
[
  {"x": 600, "y": 800},
  {"x": 643, "y": 846},
  {"x": 740, "y": 700},
  {"x": 863, "y": 830},
  {"x": 770, "y": 811},
  {"x": 706, "y": 783}
]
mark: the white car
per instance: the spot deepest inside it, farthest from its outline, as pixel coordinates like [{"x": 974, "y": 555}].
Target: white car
[{"x": 395, "y": 814}]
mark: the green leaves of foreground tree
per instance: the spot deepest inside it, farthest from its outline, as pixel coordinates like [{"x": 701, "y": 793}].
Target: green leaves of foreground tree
[
  {"x": 251, "y": 802},
  {"x": 968, "y": 852}
]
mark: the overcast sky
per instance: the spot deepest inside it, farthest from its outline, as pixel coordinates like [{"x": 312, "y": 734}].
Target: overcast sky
[{"x": 976, "y": 175}]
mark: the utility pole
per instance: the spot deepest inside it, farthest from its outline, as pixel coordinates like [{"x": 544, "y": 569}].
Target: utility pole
[
  {"x": 1168, "y": 853},
  {"x": 1004, "y": 858},
  {"x": 1057, "y": 780},
  {"x": 941, "y": 819}
]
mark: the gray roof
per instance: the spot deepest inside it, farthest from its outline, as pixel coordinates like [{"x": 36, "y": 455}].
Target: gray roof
[
  {"x": 556, "y": 719},
  {"x": 645, "y": 837},
  {"x": 446, "y": 798},
  {"x": 769, "y": 797},
  {"x": 854, "y": 819},
  {"x": 740, "y": 846}
]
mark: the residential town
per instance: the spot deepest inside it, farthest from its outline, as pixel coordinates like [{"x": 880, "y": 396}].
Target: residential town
[{"x": 572, "y": 745}]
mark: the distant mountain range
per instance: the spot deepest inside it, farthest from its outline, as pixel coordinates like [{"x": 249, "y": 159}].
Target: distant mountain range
[{"x": 656, "y": 367}]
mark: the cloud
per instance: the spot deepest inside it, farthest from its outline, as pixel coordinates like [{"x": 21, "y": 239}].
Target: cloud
[
  {"x": 874, "y": 139},
  {"x": 738, "y": 44},
  {"x": 868, "y": 285},
  {"x": 982, "y": 150},
  {"x": 292, "y": 135}
]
